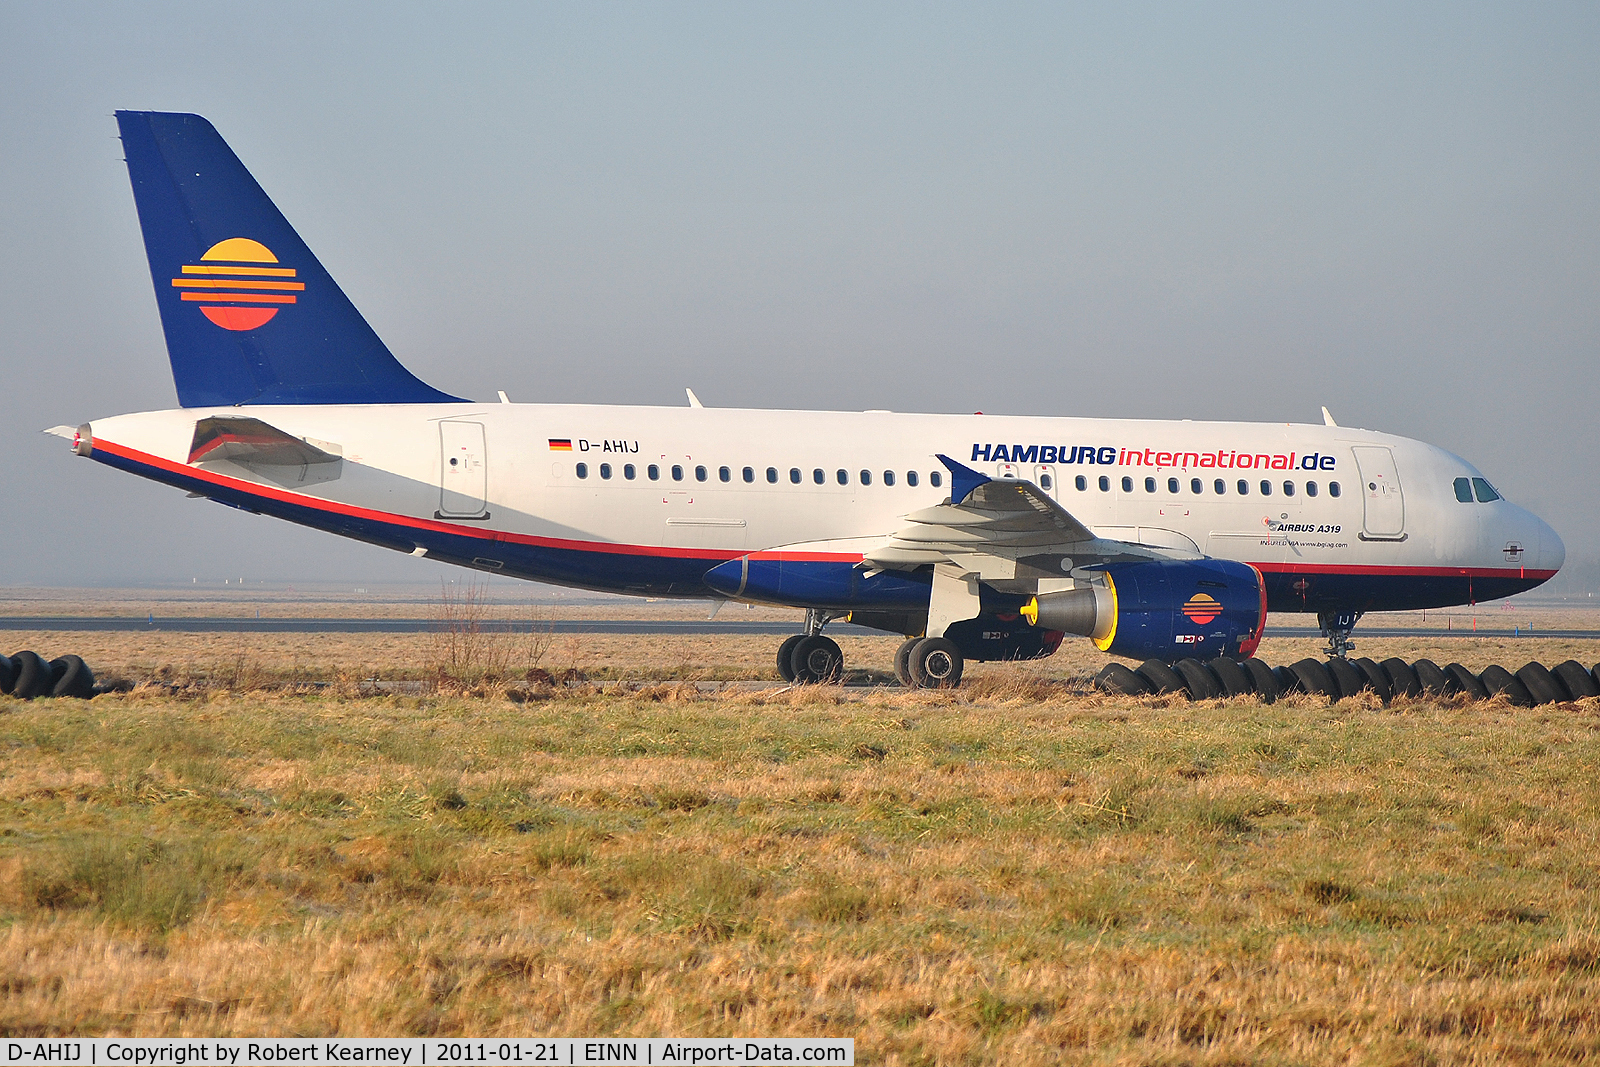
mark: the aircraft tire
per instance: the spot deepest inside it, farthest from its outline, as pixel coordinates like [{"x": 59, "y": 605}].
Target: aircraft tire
[
  {"x": 1347, "y": 677},
  {"x": 1466, "y": 682},
  {"x": 1267, "y": 686},
  {"x": 76, "y": 679},
  {"x": 1377, "y": 678},
  {"x": 817, "y": 660},
  {"x": 1501, "y": 682},
  {"x": 902, "y": 662},
  {"x": 1236, "y": 681},
  {"x": 33, "y": 676},
  {"x": 936, "y": 663},
  {"x": 1198, "y": 681},
  {"x": 1314, "y": 678},
  {"x": 786, "y": 657},
  {"x": 8, "y": 674},
  {"x": 1403, "y": 681},
  {"x": 1161, "y": 678},
  {"x": 1288, "y": 680},
  {"x": 1435, "y": 682},
  {"x": 1115, "y": 678},
  {"x": 1577, "y": 680},
  {"x": 1544, "y": 687}
]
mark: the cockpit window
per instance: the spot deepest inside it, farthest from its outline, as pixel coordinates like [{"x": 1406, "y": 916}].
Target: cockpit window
[
  {"x": 1484, "y": 490},
  {"x": 1464, "y": 490}
]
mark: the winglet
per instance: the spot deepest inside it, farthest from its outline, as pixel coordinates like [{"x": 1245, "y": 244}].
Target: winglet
[{"x": 963, "y": 479}]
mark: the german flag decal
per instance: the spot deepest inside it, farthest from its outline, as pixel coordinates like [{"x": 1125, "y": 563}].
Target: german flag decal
[
  {"x": 1201, "y": 609},
  {"x": 561, "y": 444}
]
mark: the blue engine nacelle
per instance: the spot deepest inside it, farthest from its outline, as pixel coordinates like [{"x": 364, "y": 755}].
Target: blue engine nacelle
[{"x": 1162, "y": 609}]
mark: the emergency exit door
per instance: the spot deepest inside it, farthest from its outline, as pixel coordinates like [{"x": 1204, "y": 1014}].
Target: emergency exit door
[{"x": 463, "y": 473}]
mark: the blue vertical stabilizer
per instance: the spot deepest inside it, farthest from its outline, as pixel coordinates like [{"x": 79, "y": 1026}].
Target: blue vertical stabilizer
[{"x": 250, "y": 316}]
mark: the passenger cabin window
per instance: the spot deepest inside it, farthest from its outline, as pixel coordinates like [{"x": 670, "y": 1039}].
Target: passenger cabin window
[
  {"x": 1220, "y": 486},
  {"x": 1244, "y": 487},
  {"x": 818, "y": 476},
  {"x": 1288, "y": 489},
  {"x": 911, "y": 479},
  {"x": 1172, "y": 485},
  {"x": 888, "y": 477},
  {"x": 866, "y": 477},
  {"x": 936, "y": 479},
  {"x": 1333, "y": 488},
  {"x": 605, "y": 471},
  {"x": 772, "y": 475},
  {"x": 1311, "y": 489},
  {"x": 843, "y": 477},
  {"x": 1081, "y": 483},
  {"x": 654, "y": 472},
  {"x": 677, "y": 473},
  {"x": 1464, "y": 490},
  {"x": 750, "y": 474},
  {"x": 1105, "y": 484},
  {"x": 699, "y": 474},
  {"x": 583, "y": 470},
  {"x": 794, "y": 475},
  {"x": 1484, "y": 490},
  {"x": 1127, "y": 485},
  {"x": 724, "y": 474},
  {"x": 1045, "y": 481},
  {"x": 629, "y": 471},
  {"x": 1149, "y": 485},
  {"x": 1266, "y": 487},
  {"x": 1195, "y": 487}
]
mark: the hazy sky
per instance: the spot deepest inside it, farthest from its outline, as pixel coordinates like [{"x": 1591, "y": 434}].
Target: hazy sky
[{"x": 1189, "y": 211}]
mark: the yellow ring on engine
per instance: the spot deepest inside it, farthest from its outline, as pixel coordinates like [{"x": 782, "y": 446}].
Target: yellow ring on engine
[{"x": 1104, "y": 644}]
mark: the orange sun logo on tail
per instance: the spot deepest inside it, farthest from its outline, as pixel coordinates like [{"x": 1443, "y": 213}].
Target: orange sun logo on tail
[{"x": 233, "y": 281}]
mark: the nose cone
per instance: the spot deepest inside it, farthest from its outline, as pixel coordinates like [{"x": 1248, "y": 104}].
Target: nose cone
[{"x": 1552, "y": 552}]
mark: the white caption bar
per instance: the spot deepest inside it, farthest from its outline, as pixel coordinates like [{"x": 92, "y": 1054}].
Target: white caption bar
[{"x": 413, "y": 1052}]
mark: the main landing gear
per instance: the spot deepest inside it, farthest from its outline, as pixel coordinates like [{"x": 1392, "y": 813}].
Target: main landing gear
[
  {"x": 810, "y": 658},
  {"x": 928, "y": 663}
]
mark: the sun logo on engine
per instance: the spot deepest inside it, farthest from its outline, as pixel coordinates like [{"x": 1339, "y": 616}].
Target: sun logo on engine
[
  {"x": 232, "y": 282},
  {"x": 1201, "y": 608}
]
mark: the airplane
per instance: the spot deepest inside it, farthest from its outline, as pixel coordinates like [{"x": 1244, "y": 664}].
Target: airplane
[{"x": 976, "y": 537}]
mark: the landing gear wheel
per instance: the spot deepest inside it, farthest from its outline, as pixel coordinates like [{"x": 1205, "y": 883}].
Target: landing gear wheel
[
  {"x": 1314, "y": 678},
  {"x": 817, "y": 660},
  {"x": 902, "y": 662},
  {"x": 1162, "y": 678},
  {"x": 1377, "y": 678},
  {"x": 1403, "y": 681},
  {"x": 1541, "y": 685},
  {"x": 1466, "y": 681},
  {"x": 936, "y": 663},
  {"x": 1115, "y": 678},
  {"x": 1571, "y": 673},
  {"x": 786, "y": 657},
  {"x": 1501, "y": 682},
  {"x": 1235, "y": 681},
  {"x": 1198, "y": 681},
  {"x": 1268, "y": 688},
  {"x": 1435, "y": 682}
]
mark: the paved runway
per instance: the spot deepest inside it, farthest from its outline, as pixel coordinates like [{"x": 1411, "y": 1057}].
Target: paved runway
[{"x": 216, "y": 624}]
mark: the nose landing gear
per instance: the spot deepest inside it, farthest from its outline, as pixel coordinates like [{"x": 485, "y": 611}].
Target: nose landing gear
[
  {"x": 1336, "y": 626},
  {"x": 811, "y": 658}
]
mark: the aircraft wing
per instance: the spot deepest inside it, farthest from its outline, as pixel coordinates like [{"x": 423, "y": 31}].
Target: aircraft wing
[{"x": 999, "y": 529}]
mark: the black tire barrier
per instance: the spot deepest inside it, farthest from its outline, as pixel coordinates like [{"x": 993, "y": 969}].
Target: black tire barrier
[
  {"x": 1466, "y": 682},
  {"x": 1268, "y": 688},
  {"x": 1500, "y": 682},
  {"x": 1377, "y": 678},
  {"x": 1159, "y": 677},
  {"x": 1115, "y": 678},
  {"x": 786, "y": 657},
  {"x": 1288, "y": 681},
  {"x": 33, "y": 676},
  {"x": 1579, "y": 682},
  {"x": 1403, "y": 681},
  {"x": 1236, "y": 681},
  {"x": 1541, "y": 685},
  {"x": 8, "y": 674},
  {"x": 1434, "y": 681},
  {"x": 1347, "y": 679},
  {"x": 1198, "y": 681},
  {"x": 75, "y": 678},
  {"x": 1314, "y": 678}
]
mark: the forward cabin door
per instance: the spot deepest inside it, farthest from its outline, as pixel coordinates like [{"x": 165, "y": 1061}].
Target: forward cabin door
[
  {"x": 464, "y": 475},
  {"x": 1380, "y": 491}
]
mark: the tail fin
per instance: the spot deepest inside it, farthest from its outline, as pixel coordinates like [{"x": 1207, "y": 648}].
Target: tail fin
[{"x": 250, "y": 316}]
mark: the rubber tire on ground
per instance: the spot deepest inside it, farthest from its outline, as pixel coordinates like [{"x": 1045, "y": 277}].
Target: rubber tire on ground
[
  {"x": 902, "y": 662},
  {"x": 936, "y": 663},
  {"x": 817, "y": 660},
  {"x": 1403, "y": 681},
  {"x": 1268, "y": 688},
  {"x": 1160, "y": 677},
  {"x": 1594, "y": 672},
  {"x": 33, "y": 676},
  {"x": 1542, "y": 686},
  {"x": 1377, "y": 678},
  {"x": 1501, "y": 682},
  {"x": 76, "y": 679},
  {"x": 786, "y": 657},
  {"x": 1288, "y": 680},
  {"x": 1236, "y": 681},
  {"x": 1314, "y": 678},
  {"x": 1198, "y": 681},
  {"x": 1577, "y": 680},
  {"x": 1347, "y": 677},
  {"x": 1466, "y": 682},
  {"x": 1435, "y": 682},
  {"x": 1115, "y": 678},
  {"x": 8, "y": 674}
]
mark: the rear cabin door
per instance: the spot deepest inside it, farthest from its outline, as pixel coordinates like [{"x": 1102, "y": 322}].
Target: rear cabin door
[
  {"x": 1380, "y": 491},
  {"x": 464, "y": 475}
]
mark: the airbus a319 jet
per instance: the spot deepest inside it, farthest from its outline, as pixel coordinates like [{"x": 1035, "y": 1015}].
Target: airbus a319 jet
[{"x": 978, "y": 537}]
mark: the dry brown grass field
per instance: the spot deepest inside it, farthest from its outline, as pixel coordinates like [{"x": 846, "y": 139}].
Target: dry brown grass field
[{"x": 1019, "y": 872}]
